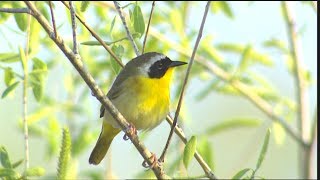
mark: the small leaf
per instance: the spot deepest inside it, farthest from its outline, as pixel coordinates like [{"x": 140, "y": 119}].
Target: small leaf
[
  {"x": 245, "y": 57},
  {"x": 21, "y": 18},
  {"x": 38, "y": 78},
  {"x": 9, "y": 89},
  {"x": 205, "y": 150},
  {"x": 112, "y": 24},
  {"x": 226, "y": 9},
  {"x": 232, "y": 124},
  {"x": 84, "y": 6},
  {"x": 23, "y": 59},
  {"x": 118, "y": 50},
  {"x": 138, "y": 21},
  {"x": 263, "y": 150},
  {"x": 276, "y": 43},
  {"x": 4, "y": 158},
  {"x": 241, "y": 173},
  {"x": 35, "y": 171},
  {"x": 9, "y": 57},
  {"x": 18, "y": 163},
  {"x": 8, "y": 76},
  {"x": 279, "y": 133},
  {"x": 189, "y": 151},
  {"x": 9, "y": 173}
]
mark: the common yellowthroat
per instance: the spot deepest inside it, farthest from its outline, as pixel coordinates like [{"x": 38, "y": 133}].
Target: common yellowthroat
[{"x": 141, "y": 92}]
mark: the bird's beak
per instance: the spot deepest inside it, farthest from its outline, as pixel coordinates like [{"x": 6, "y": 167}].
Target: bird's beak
[{"x": 177, "y": 63}]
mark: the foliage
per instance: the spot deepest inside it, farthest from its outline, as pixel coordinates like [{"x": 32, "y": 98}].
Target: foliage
[{"x": 60, "y": 98}]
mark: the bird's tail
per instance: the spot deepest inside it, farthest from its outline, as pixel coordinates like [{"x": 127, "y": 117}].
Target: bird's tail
[{"x": 106, "y": 136}]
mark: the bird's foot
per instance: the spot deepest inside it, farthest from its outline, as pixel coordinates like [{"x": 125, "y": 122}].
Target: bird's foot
[
  {"x": 131, "y": 130},
  {"x": 153, "y": 159}
]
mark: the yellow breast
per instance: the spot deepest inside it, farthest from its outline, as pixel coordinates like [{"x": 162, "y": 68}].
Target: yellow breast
[{"x": 144, "y": 101}]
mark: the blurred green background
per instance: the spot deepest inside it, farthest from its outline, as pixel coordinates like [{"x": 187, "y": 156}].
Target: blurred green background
[{"x": 66, "y": 100}]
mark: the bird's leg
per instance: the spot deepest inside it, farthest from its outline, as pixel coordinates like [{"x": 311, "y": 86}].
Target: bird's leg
[
  {"x": 131, "y": 130},
  {"x": 154, "y": 159}
]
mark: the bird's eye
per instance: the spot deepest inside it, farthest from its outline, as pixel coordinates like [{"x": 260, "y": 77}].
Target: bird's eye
[{"x": 160, "y": 66}]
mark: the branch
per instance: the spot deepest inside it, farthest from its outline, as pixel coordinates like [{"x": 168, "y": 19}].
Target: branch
[
  {"x": 77, "y": 63},
  {"x": 185, "y": 81},
  {"x": 116, "y": 4},
  {"x": 74, "y": 29},
  {"x": 146, "y": 35},
  {"x": 301, "y": 86},
  {"x": 198, "y": 157},
  {"x": 52, "y": 18},
  {"x": 95, "y": 35},
  {"x": 25, "y": 94},
  {"x": 15, "y": 10}
]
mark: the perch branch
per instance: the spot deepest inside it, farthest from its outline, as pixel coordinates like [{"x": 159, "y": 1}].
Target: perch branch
[{"x": 146, "y": 35}]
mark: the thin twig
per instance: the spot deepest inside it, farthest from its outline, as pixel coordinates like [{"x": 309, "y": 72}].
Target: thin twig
[
  {"x": 185, "y": 81},
  {"x": 301, "y": 88},
  {"x": 25, "y": 97},
  {"x": 146, "y": 35},
  {"x": 52, "y": 18},
  {"x": 116, "y": 4},
  {"x": 95, "y": 35},
  {"x": 198, "y": 157},
  {"x": 74, "y": 28},
  {"x": 15, "y": 10},
  {"x": 99, "y": 94}
]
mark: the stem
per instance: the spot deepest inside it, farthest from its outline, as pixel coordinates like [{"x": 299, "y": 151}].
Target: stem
[
  {"x": 302, "y": 94},
  {"x": 116, "y": 4},
  {"x": 74, "y": 29},
  {"x": 185, "y": 82},
  {"x": 146, "y": 35},
  {"x": 52, "y": 18},
  {"x": 15, "y": 10},
  {"x": 25, "y": 99}
]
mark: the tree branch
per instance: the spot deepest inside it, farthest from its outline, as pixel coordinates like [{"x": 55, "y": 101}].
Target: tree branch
[
  {"x": 15, "y": 10},
  {"x": 77, "y": 63},
  {"x": 116, "y": 4},
  {"x": 52, "y": 18},
  {"x": 95, "y": 35},
  {"x": 74, "y": 29},
  {"x": 146, "y": 35},
  {"x": 301, "y": 88}
]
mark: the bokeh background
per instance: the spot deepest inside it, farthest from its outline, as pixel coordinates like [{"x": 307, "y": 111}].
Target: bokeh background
[{"x": 67, "y": 101}]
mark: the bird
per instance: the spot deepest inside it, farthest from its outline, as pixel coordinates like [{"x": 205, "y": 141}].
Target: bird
[{"x": 141, "y": 93}]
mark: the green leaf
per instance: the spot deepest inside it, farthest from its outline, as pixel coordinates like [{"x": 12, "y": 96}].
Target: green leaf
[
  {"x": 112, "y": 24},
  {"x": 232, "y": 124},
  {"x": 9, "y": 173},
  {"x": 276, "y": 43},
  {"x": 23, "y": 59},
  {"x": 245, "y": 57},
  {"x": 118, "y": 50},
  {"x": 4, "y": 158},
  {"x": 205, "y": 150},
  {"x": 263, "y": 150},
  {"x": 138, "y": 21},
  {"x": 53, "y": 141},
  {"x": 226, "y": 9},
  {"x": 279, "y": 133},
  {"x": 18, "y": 163},
  {"x": 35, "y": 171},
  {"x": 8, "y": 76},
  {"x": 84, "y": 6},
  {"x": 97, "y": 43},
  {"x": 37, "y": 76},
  {"x": 9, "y": 57},
  {"x": 21, "y": 18},
  {"x": 241, "y": 173},
  {"x": 64, "y": 154},
  {"x": 189, "y": 151},
  {"x": 9, "y": 89}
]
